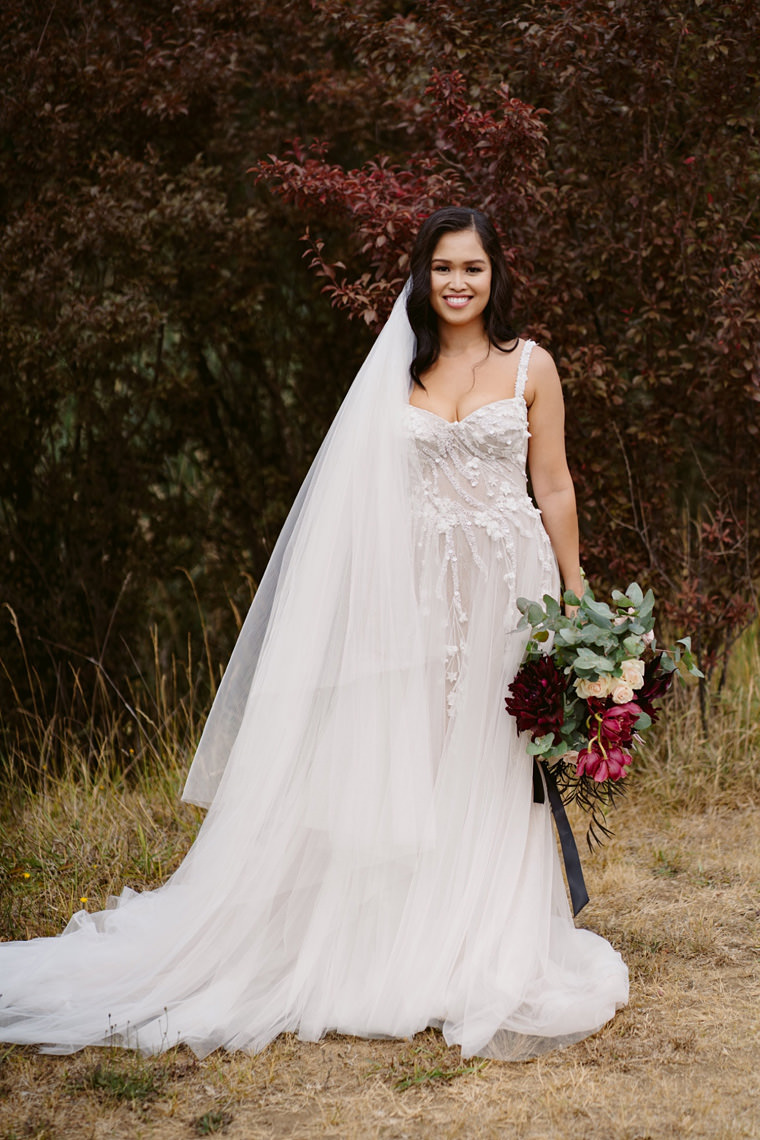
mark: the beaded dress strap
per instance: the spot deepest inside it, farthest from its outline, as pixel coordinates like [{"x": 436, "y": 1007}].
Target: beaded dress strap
[{"x": 522, "y": 368}]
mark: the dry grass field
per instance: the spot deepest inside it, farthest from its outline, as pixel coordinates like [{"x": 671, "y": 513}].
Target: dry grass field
[{"x": 677, "y": 890}]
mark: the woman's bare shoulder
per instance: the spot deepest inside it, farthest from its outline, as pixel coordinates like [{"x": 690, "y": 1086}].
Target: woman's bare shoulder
[
  {"x": 542, "y": 374},
  {"x": 541, "y": 360}
]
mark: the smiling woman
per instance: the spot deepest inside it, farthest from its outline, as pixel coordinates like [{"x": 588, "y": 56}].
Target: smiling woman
[
  {"x": 460, "y": 278},
  {"x": 372, "y": 861}
]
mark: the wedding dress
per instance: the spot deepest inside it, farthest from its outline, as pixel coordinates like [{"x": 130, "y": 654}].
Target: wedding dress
[{"x": 372, "y": 861}]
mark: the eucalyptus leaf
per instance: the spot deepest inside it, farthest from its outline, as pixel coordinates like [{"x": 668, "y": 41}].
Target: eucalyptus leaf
[
  {"x": 689, "y": 659},
  {"x": 541, "y": 745},
  {"x": 568, "y": 635},
  {"x": 596, "y": 635},
  {"x": 646, "y": 610},
  {"x": 599, "y": 613},
  {"x": 599, "y": 608},
  {"x": 552, "y": 607},
  {"x": 635, "y": 593},
  {"x": 621, "y": 600},
  {"x": 599, "y": 620},
  {"x": 588, "y": 660},
  {"x": 535, "y": 614}
]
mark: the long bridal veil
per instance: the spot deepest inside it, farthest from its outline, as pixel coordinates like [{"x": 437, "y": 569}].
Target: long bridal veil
[{"x": 328, "y": 666}]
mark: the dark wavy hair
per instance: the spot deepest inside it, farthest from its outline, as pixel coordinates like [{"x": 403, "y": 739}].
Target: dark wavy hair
[{"x": 496, "y": 315}]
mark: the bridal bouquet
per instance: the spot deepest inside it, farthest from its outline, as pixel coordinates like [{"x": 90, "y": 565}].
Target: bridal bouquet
[{"x": 587, "y": 700}]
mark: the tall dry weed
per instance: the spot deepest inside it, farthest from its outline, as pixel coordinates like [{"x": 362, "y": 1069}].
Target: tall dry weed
[
  {"x": 691, "y": 761},
  {"x": 93, "y": 725}
]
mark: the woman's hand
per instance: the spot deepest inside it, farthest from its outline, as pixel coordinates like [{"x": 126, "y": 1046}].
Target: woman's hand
[{"x": 579, "y": 589}]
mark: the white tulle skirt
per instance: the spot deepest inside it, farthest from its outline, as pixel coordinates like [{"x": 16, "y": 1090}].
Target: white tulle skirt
[{"x": 318, "y": 899}]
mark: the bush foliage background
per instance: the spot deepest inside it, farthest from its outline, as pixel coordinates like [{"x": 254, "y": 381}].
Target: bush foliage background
[{"x": 168, "y": 365}]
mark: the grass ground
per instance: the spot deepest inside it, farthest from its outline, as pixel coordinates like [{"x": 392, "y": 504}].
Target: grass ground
[{"x": 677, "y": 891}]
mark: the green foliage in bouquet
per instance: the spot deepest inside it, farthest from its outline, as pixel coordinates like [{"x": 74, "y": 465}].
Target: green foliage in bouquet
[{"x": 589, "y": 687}]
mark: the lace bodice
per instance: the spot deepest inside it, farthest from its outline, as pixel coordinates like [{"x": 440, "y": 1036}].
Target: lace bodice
[
  {"x": 470, "y": 473},
  {"x": 475, "y": 525},
  {"x": 473, "y": 470}
]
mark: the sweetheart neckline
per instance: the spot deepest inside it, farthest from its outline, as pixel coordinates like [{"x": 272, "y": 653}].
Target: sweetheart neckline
[{"x": 480, "y": 407}]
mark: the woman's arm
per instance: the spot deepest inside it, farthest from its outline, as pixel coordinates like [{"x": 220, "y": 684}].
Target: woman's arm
[{"x": 549, "y": 474}]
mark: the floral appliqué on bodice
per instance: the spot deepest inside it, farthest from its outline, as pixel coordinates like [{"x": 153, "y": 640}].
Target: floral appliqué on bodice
[{"x": 471, "y": 509}]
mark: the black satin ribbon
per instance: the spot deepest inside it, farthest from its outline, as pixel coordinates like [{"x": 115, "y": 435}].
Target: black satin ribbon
[{"x": 573, "y": 870}]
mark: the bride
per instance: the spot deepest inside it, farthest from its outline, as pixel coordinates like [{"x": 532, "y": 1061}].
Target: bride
[{"x": 372, "y": 861}]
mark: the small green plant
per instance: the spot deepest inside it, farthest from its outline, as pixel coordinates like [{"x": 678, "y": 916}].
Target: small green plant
[
  {"x": 431, "y": 1062},
  {"x": 666, "y": 866},
  {"x": 420, "y": 1076},
  {"x": 134, "y": 1081},
  {"x": 211, "y": 1122}
]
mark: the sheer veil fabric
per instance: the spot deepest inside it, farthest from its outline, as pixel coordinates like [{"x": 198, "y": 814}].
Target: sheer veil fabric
[{"x": 371, "y": 861}]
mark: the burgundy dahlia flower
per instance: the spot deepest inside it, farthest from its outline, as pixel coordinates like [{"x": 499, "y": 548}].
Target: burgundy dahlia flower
[{"x": 537, "y": 698}]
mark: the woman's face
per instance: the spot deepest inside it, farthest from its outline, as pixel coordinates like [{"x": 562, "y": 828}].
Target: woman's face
[{"x": 460, "y": 278}]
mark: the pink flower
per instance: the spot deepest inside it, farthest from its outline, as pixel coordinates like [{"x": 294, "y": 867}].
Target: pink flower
[
  {"x": 599, "y": 687},
  {"x": 632, "y": 672},
  {"x": 617, "y": 723},
  {"x": 621, "y": 692},
  {"x": 609, "y": 764}
]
